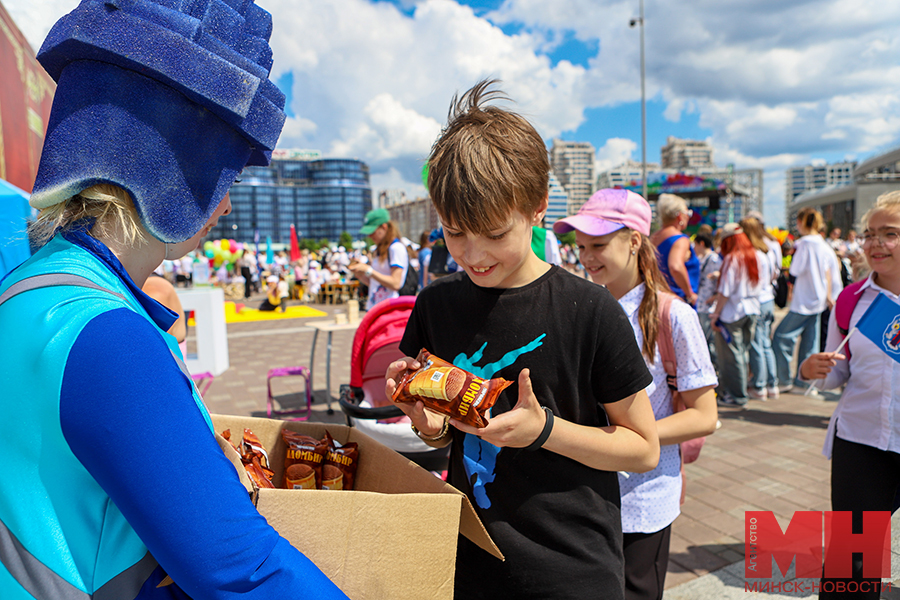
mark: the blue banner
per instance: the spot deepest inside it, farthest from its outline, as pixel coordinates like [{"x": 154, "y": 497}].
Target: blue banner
[{"x": 881, "y": 324}]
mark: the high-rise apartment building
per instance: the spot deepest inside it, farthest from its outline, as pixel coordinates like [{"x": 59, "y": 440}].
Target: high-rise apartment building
[
  {"x": 686, "y": 154},
  {"x": 573, "y": 165},
  {"x": 624, "y": 174},
  {"x": 815, "y": 177},
  {"x": 557, "y": 204},
  {"x": 322, "y": 197}
]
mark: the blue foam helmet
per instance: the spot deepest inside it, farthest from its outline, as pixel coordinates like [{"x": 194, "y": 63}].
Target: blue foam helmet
[{"x": 167, "y": 99}]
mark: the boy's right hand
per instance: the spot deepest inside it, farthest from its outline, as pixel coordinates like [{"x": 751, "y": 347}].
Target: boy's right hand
[
  {"x": 819, "y": 365},
  {"x": 428, "y": 422}
]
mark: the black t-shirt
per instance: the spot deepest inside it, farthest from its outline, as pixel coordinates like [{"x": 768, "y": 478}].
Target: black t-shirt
[{"x": 556, "y": 520}]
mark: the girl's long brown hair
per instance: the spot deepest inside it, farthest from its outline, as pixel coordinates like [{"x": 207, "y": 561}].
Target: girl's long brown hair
[
  {"x": 391, "y": 233},
  {"x": 654, "y": 282}
]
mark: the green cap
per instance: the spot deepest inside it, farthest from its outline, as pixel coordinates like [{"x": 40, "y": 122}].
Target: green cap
[{"x": 375, "y": 219}]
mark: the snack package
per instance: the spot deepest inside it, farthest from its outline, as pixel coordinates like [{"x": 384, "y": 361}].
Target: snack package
[
  {"x": 341, "y": 463},
  {"x": 304, "y": 461},
  {"x": 449, "y": 390},
  {"x": 254, "y": 457}
]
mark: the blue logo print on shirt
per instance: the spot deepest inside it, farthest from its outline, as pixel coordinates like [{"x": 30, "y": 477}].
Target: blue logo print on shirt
[{"x": 480, "y": 457}]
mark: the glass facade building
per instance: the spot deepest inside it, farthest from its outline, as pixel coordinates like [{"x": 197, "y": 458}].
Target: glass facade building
[{"x": 322, "y": 198}]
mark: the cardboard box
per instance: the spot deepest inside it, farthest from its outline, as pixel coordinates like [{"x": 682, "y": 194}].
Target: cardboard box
[{"x": 393, "y": 537}]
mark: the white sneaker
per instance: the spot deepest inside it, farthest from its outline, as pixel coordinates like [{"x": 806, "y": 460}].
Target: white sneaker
[
  {"x": 772, "y": 392},
  {"x": 757, "y": 394},
  {"x": 786, "y": 389}
]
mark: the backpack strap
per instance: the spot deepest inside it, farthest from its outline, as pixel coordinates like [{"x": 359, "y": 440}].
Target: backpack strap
[
  {"x": 846, "y": 302},
  {"x": 664, "y": 340}
]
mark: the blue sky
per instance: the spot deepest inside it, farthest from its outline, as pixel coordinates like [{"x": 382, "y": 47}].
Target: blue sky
[{"x": 770, "y": 84}]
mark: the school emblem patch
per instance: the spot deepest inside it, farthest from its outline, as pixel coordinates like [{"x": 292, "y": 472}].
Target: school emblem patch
[{"x": 891, "y": 338}]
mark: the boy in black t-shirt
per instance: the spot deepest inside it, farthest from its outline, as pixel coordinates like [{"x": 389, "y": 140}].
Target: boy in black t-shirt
[{"x": 550, "y": 502}]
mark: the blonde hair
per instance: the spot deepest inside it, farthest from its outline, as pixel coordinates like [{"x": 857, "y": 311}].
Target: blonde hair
[
  {"x": 486, "y": 163},
  {"x": 654, "y": 283},
  {"x": 391, "y": 233},
  {"x": 887, "y": 201},
  {"x": 111, "y": 208},
  {"x": 755, "y": 233},
  {"x": 669, "y": 207},
  {"x": 811, "y": 218}
]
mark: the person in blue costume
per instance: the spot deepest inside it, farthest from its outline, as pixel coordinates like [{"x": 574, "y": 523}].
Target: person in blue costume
[
  {"x": 542, "y": 473},
  {"x": 120, "y": 489},
  {"x": 677, "y": 260}
]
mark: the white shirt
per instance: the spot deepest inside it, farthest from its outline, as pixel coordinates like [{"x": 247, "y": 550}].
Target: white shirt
[
  {"x": 812, "y": 260},
  {"x": 735, "y": 285},
  {"x": 869, "y": 409},
  {"x": 766, "y": 265},
  {"x": 652, "y": 500},
  {"x": 397, "y": 256},
  {"x": 775, "y": 248}
]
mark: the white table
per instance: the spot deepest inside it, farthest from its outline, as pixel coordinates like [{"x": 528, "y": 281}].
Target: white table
[{"x": 329, "y": 327}]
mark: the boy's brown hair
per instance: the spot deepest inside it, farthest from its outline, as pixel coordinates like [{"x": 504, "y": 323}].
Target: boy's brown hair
[{"x": 487, "y": 162}]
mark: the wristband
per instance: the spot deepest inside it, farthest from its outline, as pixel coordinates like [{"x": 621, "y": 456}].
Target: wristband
[
  {"x": 438, "y": 437},
  {"x": 369, "y": 272},
  {"x": 545, "y": 432}
]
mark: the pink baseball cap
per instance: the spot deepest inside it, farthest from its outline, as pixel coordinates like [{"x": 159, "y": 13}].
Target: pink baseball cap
[{"x": 609, "y": 210}]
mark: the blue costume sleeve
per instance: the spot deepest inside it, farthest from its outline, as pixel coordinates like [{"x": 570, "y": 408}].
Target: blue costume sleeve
[{"x": 128, "y": 415}]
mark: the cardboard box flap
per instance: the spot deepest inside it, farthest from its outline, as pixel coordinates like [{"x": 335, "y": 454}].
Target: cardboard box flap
[
  {"x": 389, "y": 557},
  {"x": 394, "y": 474},
  {"x": 235, "y": 459}
]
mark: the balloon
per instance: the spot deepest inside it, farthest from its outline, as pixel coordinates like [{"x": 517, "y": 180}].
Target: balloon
[
  {"x": 208, "y": 245},
  {"x": 217, "y": 262},
  {"x": 223, "y": 244},
  {"x": 232, "y": 246},
  {"x": 210, "y": 253},
  {"x": 227, "y": 256}
]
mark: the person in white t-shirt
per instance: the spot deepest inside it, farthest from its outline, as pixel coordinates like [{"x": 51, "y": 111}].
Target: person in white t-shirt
[
  {"x": 863, "y": 437},
  {"x": 764, "y": 384},
  {"x": 736, "y": 312},
  {"x": 813, "y": 269}
]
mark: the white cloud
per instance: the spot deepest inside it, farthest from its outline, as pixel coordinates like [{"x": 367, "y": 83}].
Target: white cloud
[
  {"x": 390, "y": 130},
  {"x": 393, "y": 179},
  {"x": 776, "y": 83},
  {"x": 613, "y": 153}
]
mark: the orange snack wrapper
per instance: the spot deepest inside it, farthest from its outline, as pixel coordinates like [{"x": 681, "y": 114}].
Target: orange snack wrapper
[
  {"x": 449, "y": 390},
  {"x": 254, "y": 457}
]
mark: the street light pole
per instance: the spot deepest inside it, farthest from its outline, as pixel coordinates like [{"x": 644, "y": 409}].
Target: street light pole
[
  {"x": 640, "y": 21},
  {"x": 643, "y": 112}
]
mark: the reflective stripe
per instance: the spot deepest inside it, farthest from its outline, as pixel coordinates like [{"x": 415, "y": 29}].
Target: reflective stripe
[
  {"x": 42, "y": 582},
  {"x": 52, "y": 279},
  {"x": 129, "y": 582},
  {"x": 38, "y": 579}
]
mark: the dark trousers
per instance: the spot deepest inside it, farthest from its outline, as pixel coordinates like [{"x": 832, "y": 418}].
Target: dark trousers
[
  {"x": 248, "y": 285},
  {"x": 862, "y": 478},
  {"x": 646, "y": 562}
]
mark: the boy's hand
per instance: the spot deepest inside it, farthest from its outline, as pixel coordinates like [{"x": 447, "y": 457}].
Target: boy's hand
[
  {"x": 819, "y": 365},
  {"x": 428, "y": 422},
  {"x": 516, "y": 428}
]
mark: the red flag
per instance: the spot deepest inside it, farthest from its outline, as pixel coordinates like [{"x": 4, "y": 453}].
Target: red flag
[{"x": 295, "y": 246}]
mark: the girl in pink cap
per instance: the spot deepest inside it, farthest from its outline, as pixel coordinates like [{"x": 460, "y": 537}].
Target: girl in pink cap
[{"x": 611, "y": 231}]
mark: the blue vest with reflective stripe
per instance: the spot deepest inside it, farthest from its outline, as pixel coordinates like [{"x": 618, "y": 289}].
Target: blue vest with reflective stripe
[{"x": 53, "y": 514}]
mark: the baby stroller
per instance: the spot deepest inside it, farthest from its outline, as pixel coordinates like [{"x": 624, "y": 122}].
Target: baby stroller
[{"x": 365, "y": 405}]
